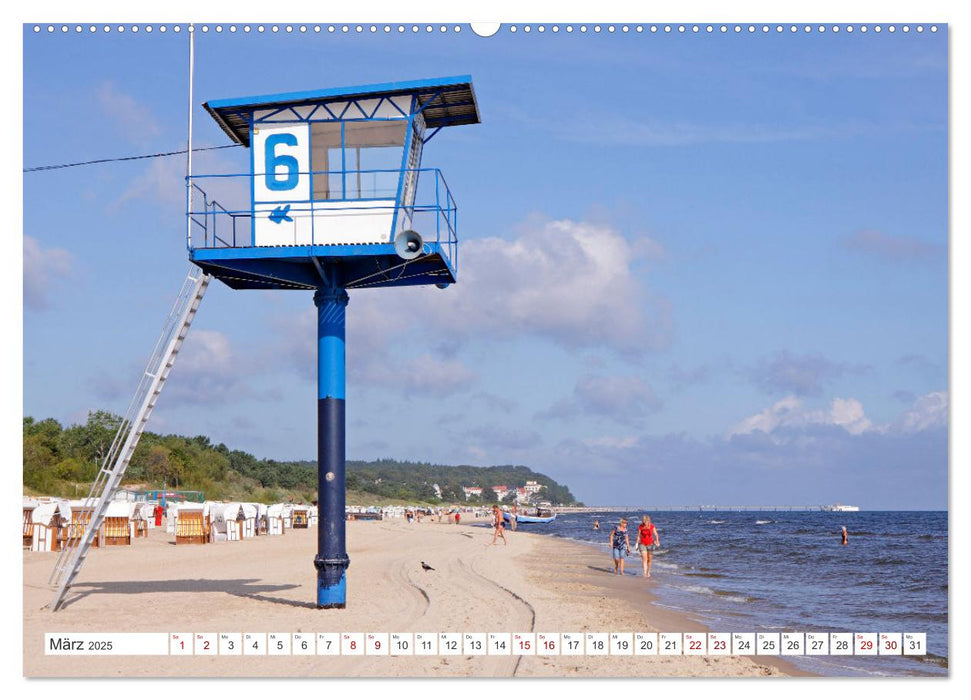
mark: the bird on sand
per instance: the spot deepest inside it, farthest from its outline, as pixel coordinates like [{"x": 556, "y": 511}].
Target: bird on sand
[{"x": 426, "y": 567}]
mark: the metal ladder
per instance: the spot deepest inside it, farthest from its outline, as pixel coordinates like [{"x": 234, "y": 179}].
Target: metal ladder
[{"x": 103, "y": 489}]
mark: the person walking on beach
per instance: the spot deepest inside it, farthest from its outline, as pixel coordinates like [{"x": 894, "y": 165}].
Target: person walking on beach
[
  {"x": 620, "y": 544},
  {"x": 500, "y": 527},
  {"x": 647, "y": 542},
  {"x": 845, "y": 535}
]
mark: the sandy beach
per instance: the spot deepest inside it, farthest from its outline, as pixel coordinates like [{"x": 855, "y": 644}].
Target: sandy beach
[{"x": 535, "y": 584}]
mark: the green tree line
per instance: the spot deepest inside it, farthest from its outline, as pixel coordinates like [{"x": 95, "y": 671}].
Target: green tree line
[{"x": 61, "y": 461}]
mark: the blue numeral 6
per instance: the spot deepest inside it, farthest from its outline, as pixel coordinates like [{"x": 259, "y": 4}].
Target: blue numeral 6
[{"x": 273, "y": 161}]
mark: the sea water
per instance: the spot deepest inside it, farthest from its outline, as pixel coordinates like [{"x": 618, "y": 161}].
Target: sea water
[{"x": 774, "y": 571}]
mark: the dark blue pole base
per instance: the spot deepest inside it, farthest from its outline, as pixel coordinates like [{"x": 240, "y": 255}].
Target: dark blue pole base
[
  {"x": 331, "y": 582},
  {"x": 331, "y": 561}
]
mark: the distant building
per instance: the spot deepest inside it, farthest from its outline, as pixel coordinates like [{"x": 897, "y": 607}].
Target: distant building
[
  {"x": 533, "y": 487},
  {"x": 471, "y": 491},
  {"x": 501, "y": 492},
  {"x": 438, "y": 490}
]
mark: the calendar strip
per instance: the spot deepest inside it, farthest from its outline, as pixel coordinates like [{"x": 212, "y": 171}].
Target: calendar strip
[{"x": 486, "y": 644}]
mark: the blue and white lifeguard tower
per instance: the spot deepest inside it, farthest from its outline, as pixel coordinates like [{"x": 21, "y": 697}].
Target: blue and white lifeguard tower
[
  {"x": 337, "y": 200},
  {"x": 335, "y": 182}
]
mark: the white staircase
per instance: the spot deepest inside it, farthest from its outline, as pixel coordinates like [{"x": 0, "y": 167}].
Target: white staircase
[{"x": 176, "y": 327}]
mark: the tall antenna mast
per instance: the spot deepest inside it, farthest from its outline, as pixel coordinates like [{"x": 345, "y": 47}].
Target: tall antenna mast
[{"x": 188, "y": 155}]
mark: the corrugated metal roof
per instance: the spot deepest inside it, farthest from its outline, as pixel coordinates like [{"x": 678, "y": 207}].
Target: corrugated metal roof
[{"x": 451, "y": 102}]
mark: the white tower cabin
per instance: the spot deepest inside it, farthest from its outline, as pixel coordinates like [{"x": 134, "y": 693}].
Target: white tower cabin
[{"x": 335, "y": 187}]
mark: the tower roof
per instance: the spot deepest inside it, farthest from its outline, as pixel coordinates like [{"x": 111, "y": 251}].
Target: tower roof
[{"x": 450, "y": 102}]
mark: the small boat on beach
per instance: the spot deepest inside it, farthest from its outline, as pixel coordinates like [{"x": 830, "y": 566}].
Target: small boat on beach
[{"x": 540, "y": 515}]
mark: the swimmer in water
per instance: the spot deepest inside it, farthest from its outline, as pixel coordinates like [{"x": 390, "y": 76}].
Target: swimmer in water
[
  {"x": 596, "y": 524},
  {"x": 844, "y": 534}
]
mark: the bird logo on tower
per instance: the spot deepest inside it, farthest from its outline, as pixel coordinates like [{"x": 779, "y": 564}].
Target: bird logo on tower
[{"x": 281, "y": 214}]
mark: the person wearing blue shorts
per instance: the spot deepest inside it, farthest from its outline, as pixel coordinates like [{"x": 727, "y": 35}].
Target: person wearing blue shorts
[{"x": 620, "y": 544}]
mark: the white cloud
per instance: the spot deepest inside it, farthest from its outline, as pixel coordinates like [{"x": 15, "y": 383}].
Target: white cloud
[
  {"x": 624, "y": 398},
  {"x": 135, "y": 120},
  {"x": 210, "y": 370},
  {"x": 783, "y": 412},
  {"x": 791, "y": 413},
  {"x": 43, "y": 267},
  {"x": 848, "y": 414},
  {"x": 163, "y": 182},
  {"x": 927, "y": 412},
  {"x": 568, "y": 281}
]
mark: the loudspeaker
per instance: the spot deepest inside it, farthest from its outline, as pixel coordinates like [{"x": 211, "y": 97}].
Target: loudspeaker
[{"x": 408, "y": 245}]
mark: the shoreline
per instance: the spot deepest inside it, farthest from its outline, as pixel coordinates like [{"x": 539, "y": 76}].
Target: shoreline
[
  {"x": 589, "y": 566},
  {"x": 267, "y": 584}
]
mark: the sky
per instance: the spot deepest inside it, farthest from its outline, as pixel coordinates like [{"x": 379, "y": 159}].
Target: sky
[{"x": 695, "y": 269}]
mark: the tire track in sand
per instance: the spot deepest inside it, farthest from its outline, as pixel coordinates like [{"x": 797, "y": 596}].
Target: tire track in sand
[{"x": 522, "y": 603}]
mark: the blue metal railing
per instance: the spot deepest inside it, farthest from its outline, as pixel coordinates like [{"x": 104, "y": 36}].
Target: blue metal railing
[{"x": 432, "y": 210}]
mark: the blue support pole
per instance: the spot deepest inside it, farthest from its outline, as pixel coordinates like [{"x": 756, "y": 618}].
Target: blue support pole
[{"x": 331, "y": 561}]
